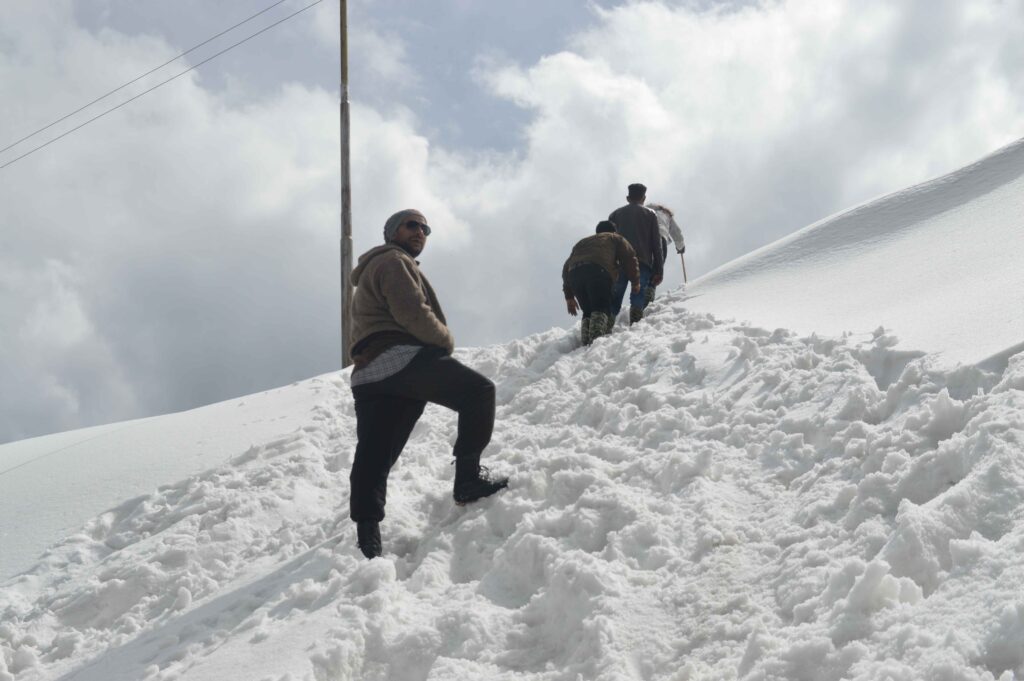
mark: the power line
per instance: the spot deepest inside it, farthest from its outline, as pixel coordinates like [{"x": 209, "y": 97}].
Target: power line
[
  {"x": 161, "y": 84},
  {"x": 118, "y": 89}
]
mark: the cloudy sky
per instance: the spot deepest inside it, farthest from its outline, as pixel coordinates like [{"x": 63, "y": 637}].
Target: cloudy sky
[{"x": 184, "y": 249}]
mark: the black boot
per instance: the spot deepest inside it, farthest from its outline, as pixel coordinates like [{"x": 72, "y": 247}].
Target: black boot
[
  {"x": 635, "y": 315},
  {"x": 368, "y": 536},
  {"x": 472, "y": 481}
]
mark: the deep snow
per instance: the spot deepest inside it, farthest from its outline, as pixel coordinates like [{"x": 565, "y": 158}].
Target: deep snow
[
  {"x": 691, "y": 498},
  {"x": 938, "y": 262}
]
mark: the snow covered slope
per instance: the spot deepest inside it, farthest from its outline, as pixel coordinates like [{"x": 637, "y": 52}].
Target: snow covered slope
[
  {"x": 691, "y": 498},
  {"x": 50, "y": 485},
  {"x": 938, "y": 265}
]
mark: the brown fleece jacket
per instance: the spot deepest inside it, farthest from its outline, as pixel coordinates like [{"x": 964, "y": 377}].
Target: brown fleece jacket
[
  {"x": 607, "y": 249},
  {"x": 393, "y": 303}
]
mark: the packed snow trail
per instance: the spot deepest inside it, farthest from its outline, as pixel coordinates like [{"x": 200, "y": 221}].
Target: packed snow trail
[{"x": 691, "y": 499}]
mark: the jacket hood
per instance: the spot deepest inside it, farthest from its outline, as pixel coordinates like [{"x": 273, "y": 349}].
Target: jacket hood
[{"x": 365, "y": 259}]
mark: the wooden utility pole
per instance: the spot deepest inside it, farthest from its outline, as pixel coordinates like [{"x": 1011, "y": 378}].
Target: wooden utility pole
[{"x": 346, "y": 200}]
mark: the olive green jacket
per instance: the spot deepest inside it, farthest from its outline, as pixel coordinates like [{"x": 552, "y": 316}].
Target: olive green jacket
[{"x": 609, "y": 250}]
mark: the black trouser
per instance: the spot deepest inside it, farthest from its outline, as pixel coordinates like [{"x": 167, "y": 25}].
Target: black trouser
[
  {"x": 387, "y": 410},
  {"x": 592, "y": 286}
]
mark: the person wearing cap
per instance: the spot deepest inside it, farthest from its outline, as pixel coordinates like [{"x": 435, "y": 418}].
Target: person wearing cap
[
  {"x": 402, "y": 356},
  {"x": 587, "y": 276},
  {"x": 639, "y": 225}
]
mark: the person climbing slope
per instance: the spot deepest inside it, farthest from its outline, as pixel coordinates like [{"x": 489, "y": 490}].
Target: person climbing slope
[
  {"x": 595, "y": 263},
  {"x": 669, "y": 229},
  {"x": 639, "y": 226},
  {"x": 401, "y": 352}
]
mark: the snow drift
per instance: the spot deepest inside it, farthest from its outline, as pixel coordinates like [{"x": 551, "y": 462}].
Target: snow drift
[
  {"x": 691, "y": 498},
  {"x": 939, "y": 263}
]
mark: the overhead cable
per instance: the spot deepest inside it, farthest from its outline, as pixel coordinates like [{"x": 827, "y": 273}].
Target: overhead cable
[
  {"x": 160, "y": 84},
  {"x": 135, "y": 80}
]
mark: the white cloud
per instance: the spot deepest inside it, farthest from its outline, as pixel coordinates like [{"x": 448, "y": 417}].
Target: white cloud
[
  {"x": 57, "y": 320},
  {"x": 197, "y": 234},
  {"x": 193, "y": 235},
  {"x": 757, "y": 121},
  {"x": 55, "y": 363},
  {"x": 751, "y": 123},
  {"x": 379, "y": 53}
]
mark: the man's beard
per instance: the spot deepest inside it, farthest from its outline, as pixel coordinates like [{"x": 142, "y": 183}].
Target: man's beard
[{"x": 411, "y": 249}]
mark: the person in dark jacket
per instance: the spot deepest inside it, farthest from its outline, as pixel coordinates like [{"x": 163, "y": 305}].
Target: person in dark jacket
[
  {"x": 401, "y": 352},
  {"x": 595, "y": 262},
  {"x": 639, "y": 225}
]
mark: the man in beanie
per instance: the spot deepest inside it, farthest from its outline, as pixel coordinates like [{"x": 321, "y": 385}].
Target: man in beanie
[
  {"x": 401, "y": 352},
  {"x": 639, "y": 225},
  {"x": 587, "y": 276}
]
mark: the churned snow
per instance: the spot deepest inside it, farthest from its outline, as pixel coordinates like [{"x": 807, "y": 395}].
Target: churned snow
[{"x": 700, "y": 496}]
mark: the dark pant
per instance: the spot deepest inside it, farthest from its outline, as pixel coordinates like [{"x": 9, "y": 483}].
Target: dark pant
[
  {"x": 664, "y": 259},
  {"x": 635, "y": 299},
  {"x": 592, "y": 286},
  {"x": 387, "y": 410}
]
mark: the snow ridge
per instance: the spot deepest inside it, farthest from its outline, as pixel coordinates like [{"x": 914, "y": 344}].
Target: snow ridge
[
  {"x": 937, "y": 261},
  {"x": 691, "y": 498},
  {"x": 886, "y": 217}
]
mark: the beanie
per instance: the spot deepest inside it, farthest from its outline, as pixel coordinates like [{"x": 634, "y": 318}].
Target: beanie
[{"x": 393, "y": 222}]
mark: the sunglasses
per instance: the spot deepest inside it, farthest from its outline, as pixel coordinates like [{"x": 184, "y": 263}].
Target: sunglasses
[{"x": 422, "y": 226}]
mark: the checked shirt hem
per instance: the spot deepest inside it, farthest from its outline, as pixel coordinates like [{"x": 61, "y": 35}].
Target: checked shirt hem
[{"x": 385, "y": 365}]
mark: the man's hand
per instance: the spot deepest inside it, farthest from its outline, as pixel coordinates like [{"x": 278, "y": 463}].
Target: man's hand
[
  {"x": 681, "y": 250},
  {"x": 656, "y": 279},
  {"x": 570, "y": 304},
  {"x": 636, "y": 287}
]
